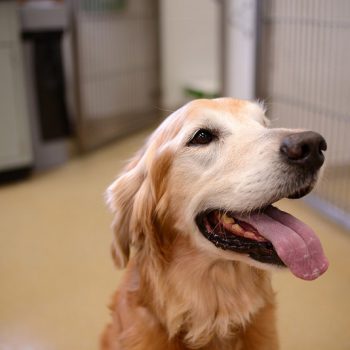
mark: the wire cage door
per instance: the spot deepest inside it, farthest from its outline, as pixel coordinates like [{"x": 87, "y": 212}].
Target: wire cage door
[
  {"x": 117, "y": 66},
  {"x": 304, "y": 77}
]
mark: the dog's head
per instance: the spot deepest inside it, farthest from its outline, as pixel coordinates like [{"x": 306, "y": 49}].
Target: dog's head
[{"x": 210, "y": 172}]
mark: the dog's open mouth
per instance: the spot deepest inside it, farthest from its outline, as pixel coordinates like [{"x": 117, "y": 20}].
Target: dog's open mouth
[{"x": 268, "y": 236}]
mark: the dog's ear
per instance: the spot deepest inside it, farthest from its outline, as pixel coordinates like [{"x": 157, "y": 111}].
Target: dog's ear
[
  {"x": 120, "y": 198},
  {"x": 136, "y": 198}
]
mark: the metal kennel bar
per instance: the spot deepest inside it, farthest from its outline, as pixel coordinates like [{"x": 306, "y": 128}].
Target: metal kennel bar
[{"x": 303, "y": 74}]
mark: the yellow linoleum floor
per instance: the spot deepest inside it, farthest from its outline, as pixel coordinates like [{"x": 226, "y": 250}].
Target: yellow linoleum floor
[{"x": 57, "y": 275}]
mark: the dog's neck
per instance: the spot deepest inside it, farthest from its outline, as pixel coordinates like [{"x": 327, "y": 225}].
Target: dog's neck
[{"x": 202, "y": 299}]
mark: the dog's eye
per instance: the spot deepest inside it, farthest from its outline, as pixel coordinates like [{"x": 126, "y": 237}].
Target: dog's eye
[{"x": 202, "y": 137}]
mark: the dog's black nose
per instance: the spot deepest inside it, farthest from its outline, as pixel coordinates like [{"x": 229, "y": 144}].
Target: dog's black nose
[{"x": 304, "y": 148}]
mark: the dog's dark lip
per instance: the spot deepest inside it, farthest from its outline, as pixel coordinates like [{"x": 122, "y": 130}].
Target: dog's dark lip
[
  {"x": 262, "y": 251},
  {"x": 301, "y": 192}
]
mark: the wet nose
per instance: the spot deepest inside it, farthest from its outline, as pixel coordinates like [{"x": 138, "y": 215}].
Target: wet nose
[{"x": 304, "y": 148}]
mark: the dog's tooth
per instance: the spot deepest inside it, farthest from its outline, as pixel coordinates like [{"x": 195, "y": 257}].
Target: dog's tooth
[
  {"x": 237, "y": 228},
  {"x": 227, "y": 220},
  {"x": 249, "y": 234},
  {"x": 252, "y": 235}
]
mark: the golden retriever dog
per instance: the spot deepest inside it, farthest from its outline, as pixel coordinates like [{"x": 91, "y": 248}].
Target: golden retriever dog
[{"x": 195, "y": 228}]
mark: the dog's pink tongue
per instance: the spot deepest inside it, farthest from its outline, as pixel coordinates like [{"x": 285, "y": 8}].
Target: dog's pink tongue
[{"x": 295, "y": 243}]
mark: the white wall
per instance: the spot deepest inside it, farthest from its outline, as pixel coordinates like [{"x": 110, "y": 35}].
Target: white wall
[{"x": 190, "y": 48}]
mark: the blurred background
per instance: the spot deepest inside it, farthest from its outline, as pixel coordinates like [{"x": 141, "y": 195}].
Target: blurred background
[{"x": 82, "y": 84}]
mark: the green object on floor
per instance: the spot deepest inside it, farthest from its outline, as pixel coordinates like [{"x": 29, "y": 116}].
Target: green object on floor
[{"x": 194, "y": 93}]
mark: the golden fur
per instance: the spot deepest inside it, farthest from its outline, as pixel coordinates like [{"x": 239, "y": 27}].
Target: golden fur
[{"x": 176, "y": 293}]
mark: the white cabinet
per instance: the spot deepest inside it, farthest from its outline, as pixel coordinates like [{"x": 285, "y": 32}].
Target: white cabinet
[{"x": 15, "y": 138}]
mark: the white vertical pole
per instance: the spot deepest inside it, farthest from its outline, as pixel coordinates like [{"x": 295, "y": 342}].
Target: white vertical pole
[{"x": 240, "y": 48}]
